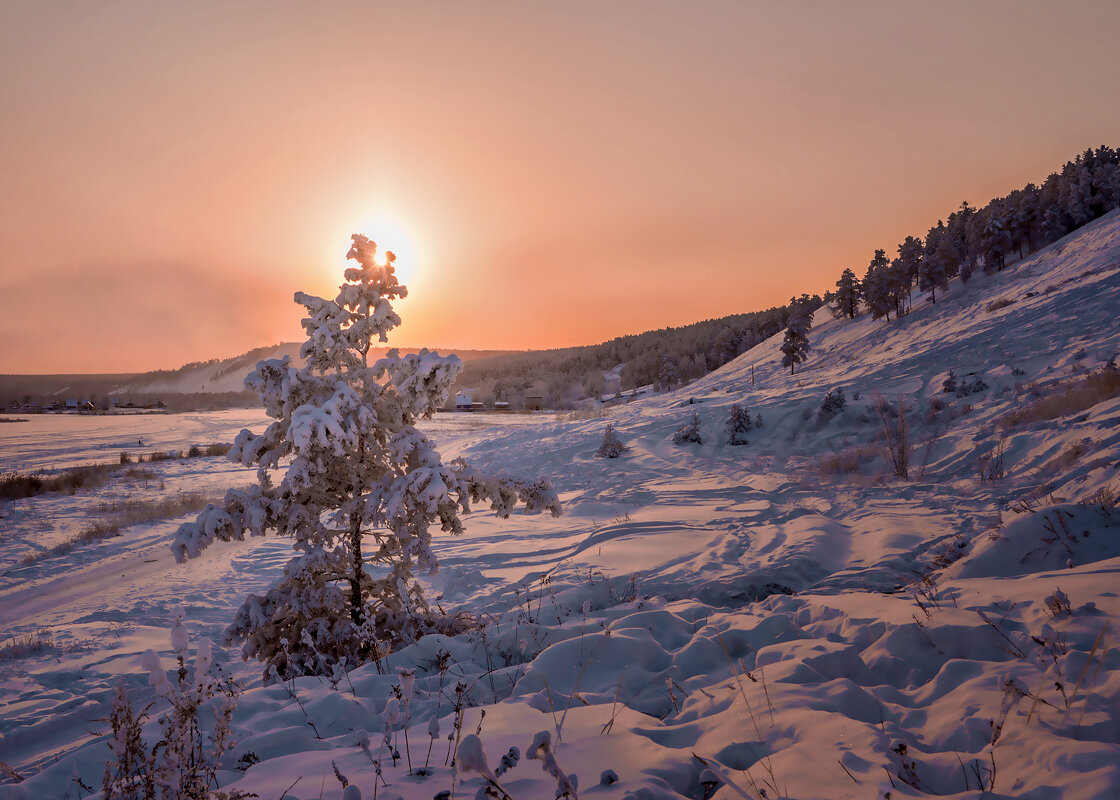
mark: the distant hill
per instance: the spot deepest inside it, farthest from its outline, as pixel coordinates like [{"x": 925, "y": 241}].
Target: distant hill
[
  {"x": 217, "y": 383},
  {"x": 228, "y": 375}
]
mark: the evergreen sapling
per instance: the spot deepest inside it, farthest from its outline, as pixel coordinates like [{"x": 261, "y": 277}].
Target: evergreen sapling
[
  {"x": 344, "y": 472},
  {"x": 612, "y": 446},
  {"x": 738, "y": 423}
]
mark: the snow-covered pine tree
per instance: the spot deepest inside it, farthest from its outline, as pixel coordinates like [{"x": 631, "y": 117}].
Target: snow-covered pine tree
[
  {"x": 795, "y": 345},
  {"x": 738, "y": 423},
  {"x": 848, "y": 294},
  {"x": 931, "y": 272},
  {"x": 359, "y": 489},
  {"x": 910, "y": 254},
  {"x": 876, "y": 287},
  {"x": 898, "y": 286},
  {"x": 966, "y": 249},
  {"x": 669, "y": 373},
  {"x": 689, "y": 433},
  {"x": 612, "y": 446},
  {"x": 995, "y": 238}
]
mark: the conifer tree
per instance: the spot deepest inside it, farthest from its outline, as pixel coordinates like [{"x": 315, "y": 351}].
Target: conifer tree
[
  {"x": 995, "y": 239},
  {"x": 910, "y": 254},
  {"x": 669, "y": 373},
  {"x": 359, "y": 486},
  {"x": 898, "y": 286},
  {"x": 876, "y": 286},
  {"x": 612, "y": 446},
  {"x": 795, "y": 346},
  {"x": 848, "y": 294},
  {"x": 738, "y": 423},
  {"x": 932, "y": 273}
]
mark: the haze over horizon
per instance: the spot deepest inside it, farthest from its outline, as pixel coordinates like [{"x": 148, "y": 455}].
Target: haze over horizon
[{"x": 549, "y": 175}]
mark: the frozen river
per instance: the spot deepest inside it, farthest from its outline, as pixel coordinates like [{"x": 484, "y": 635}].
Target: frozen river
[{"x": 57, "y": 441}]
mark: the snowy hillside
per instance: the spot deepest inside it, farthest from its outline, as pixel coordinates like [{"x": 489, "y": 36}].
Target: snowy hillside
[
  {"x": 784, "y": 618},
  {"x": 228, "y": 375},
  {"x": 219, "y": 375}
]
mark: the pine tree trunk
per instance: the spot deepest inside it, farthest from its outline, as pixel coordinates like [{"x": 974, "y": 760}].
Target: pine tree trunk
[{"x": 356, "y": 612}]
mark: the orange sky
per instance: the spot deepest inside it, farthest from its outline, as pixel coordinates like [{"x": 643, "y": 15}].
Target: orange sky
[{"x": 553, "y": 173}]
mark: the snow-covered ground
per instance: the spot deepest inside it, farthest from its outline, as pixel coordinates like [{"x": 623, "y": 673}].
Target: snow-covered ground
[{"x": 801, "y": 630}]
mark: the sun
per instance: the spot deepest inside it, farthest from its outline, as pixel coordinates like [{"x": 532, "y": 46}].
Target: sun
[{"x": 391, "y": 233}]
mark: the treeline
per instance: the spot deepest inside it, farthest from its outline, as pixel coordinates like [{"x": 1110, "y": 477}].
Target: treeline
[
  {"x": 983, "y": 238},
  {"x": 664, "y": 358}
]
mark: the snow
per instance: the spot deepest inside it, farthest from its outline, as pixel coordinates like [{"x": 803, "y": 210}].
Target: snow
[{"x": 701, "y": 614}]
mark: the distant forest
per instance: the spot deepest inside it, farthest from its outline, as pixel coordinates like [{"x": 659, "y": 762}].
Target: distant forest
[
  {"x": 664, "y": 358},
  {"x": 1006, "y": 229},
  {"x": 987, "y": 238}
]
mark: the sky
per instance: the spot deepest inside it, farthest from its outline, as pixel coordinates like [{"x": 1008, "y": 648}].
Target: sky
[{"x": 550, "y": 174}]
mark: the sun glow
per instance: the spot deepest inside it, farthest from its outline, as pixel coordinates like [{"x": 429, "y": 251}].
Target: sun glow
[{"x": 391, "y": 235}]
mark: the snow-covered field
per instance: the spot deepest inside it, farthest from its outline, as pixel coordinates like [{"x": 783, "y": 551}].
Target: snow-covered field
[{"x": 786, "y": 614}]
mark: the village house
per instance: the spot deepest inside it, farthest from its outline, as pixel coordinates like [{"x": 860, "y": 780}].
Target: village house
[{"x": 464, "y": 400}]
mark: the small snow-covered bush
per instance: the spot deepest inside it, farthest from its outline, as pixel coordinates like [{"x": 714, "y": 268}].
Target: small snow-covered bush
[
  {"x": 738, "y": 423},
  {"x": 183, "y": 765},
  {"x": 832, "y": 404},
  {"x": 971, "y": 387},
  {"x": 949, "y": 385},
  {"x": 689, "y": 433},
  {"x": 612, "y": 446},
  {"x": 344, "y": 472}
]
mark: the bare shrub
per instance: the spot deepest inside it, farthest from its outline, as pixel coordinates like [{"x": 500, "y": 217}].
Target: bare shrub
[
  {"x": 896, "y": 436},
  {"x": 1077, "y": 397},
  {"x": 126, "y": 457},
  {"x": 991, "y": 464},
  {"x": 216, "y": 449},
  {"x": 1105, "y": 498},
  {"x": 996, "y": 305},
  {"x": 1031, "y": 500}
]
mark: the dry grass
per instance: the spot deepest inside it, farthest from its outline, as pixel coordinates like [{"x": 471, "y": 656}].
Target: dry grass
[
  {"x": 1068, "y": 457},
  {"x": 140, "y": 474},
  {"x": 585, "y": 413},
  {"x": 1077, "y": 397},
  {"x": 847, "y": 461},
  {"x": 996, "y": 305},
  {"x": 29, "y": 644},
  {"x": 14, "y": 486},
  {"x": 123, "y": 514}
]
